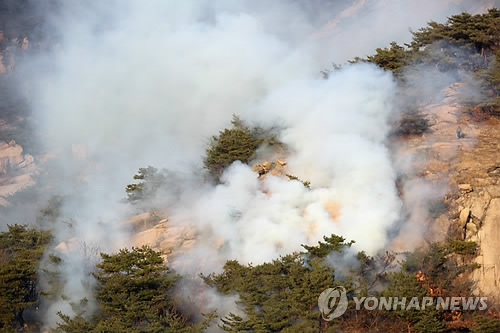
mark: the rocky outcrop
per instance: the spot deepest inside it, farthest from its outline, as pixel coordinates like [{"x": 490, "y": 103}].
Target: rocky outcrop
[
  {"x": 469, "y": 166},
  {"x": 153, "y": 230},
  {"x": 478, "y": 202},
  {"x": 143, "y": 221},
  {"x": 488, "y": 236},
  {"x": 11, "y": 156},
  {"x": 276, "y": 168},
  {"x": 16, "y": 170},
  {"x": 9, "y": 50},
  {"x": 433, "y": 157}
]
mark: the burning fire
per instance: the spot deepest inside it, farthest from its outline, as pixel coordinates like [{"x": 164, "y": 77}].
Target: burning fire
[{"x": 433, "y": 291}]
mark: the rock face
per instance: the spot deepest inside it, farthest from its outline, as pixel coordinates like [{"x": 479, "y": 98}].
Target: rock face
[
  {"x": 470, "y": 168},
  {"x": 16, "y": 170},
  {"x": 433, "y": 157},
  {"x": 480, "y": 202},
  {"x": 276, "y": 168},
  {"x": 488, "y": 236},
  {"x": 11, "y": 156},
  {"x": 153, "y": 230}
]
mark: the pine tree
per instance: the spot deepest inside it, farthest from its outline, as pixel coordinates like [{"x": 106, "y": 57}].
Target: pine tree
[
  {"x": 429, "y": 323},
  {"x": 232, "y": 144},
  {"x": 134, "y": 295},
  {"x": 332, "y": 243},
  {"x": 151, "y": 181},
  {"x": 395, "y": 58},
  {"x": 21, "y": 249},
  {"x": 486, "y": 324},
  {"x": 280, "y": 296},
  {"x": 404, "y": 285}
]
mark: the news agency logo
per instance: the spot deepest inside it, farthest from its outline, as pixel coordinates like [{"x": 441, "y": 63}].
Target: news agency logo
[{"x": 332, "y": 303}]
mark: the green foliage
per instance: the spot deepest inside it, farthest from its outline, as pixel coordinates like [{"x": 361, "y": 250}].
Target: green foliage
[
  {"x": 477, "y": 50},
  {"x": 306, "y": 184},
  {"x": 405, "y": 285},
  {"x": 152, "y": 180},
  {"x": 438, "y": 207},
  {"x": 489, "y": 100},
  {"x": 439, "y": 269},
  {"x": 439, "y": 263},
  {"x": 486, "y": 324},
  {"x": 134, "y": 289},
  {"x": 334, "y": 243},
  {"x": 134, "y": 295},
  {"x": 234, "y": 144},
  {"x": 50, "y": 212},
  {"x": 21, "y": 249},
  {"x": 77, "y": 324},
  {"x": 478, "y": 31},
  {"x": 52, "y": 288},
  {"x": 395, "y": 58},
  {"x": 462, "y": 247},
  {"x": 280, "y": 296},
  {"x": 412, "y": 122},
  {"x": 465, "y": 42},
  {"x": 429, "y": 323},
  {"x": 433, "y": 271}
]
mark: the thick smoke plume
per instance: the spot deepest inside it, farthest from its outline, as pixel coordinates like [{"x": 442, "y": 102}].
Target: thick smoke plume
[{"x": 134, "y": 84}]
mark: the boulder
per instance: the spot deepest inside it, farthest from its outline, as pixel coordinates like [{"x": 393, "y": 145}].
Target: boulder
[
  {"x": 471, "y": 230},
  {"x": 28, "y": 160},
  {"x": 464, "y": 216},
  {"x": 16, "y": 170},
  {"x": 479, "y": 205},
  {"x": 276, "y": 168},
  {"x": 165, "y": 238},
  {"x": 11, "y": 156},
  {"x": 488, "y": 275},
  {"x": 144, "y": 221},
  {"x": 68, "y": 245},
  {"x": 466, "y": 188}
]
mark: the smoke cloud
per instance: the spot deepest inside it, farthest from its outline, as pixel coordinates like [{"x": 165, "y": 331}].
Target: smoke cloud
[
  {"x": 376, "y": 23},
  {"x": 132, "y": 85}
]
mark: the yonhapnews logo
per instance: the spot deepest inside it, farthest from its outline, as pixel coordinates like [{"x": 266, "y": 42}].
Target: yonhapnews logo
[{"x": 332, "y": 303}]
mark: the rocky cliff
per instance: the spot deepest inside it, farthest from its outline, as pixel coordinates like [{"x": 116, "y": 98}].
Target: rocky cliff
[
  {"x": 462, "y": 153},
  {"x": 477, "y": 203},
  {"x": 16, "y": 170}
]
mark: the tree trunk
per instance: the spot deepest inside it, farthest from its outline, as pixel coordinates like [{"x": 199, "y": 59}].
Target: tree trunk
[{"x": 19, "y": 318}]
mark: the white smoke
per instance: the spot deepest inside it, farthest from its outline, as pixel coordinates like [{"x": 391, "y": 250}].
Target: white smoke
[
  {"x": 335, "y": 130},
  {"x": 376, "y": 23},
  {"x": 139, "y": 84}
]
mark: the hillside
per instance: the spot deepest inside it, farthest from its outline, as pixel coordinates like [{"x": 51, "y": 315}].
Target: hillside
[
  {"x": 467, "y": 168},
  {"x": 195, "y": 167}
]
